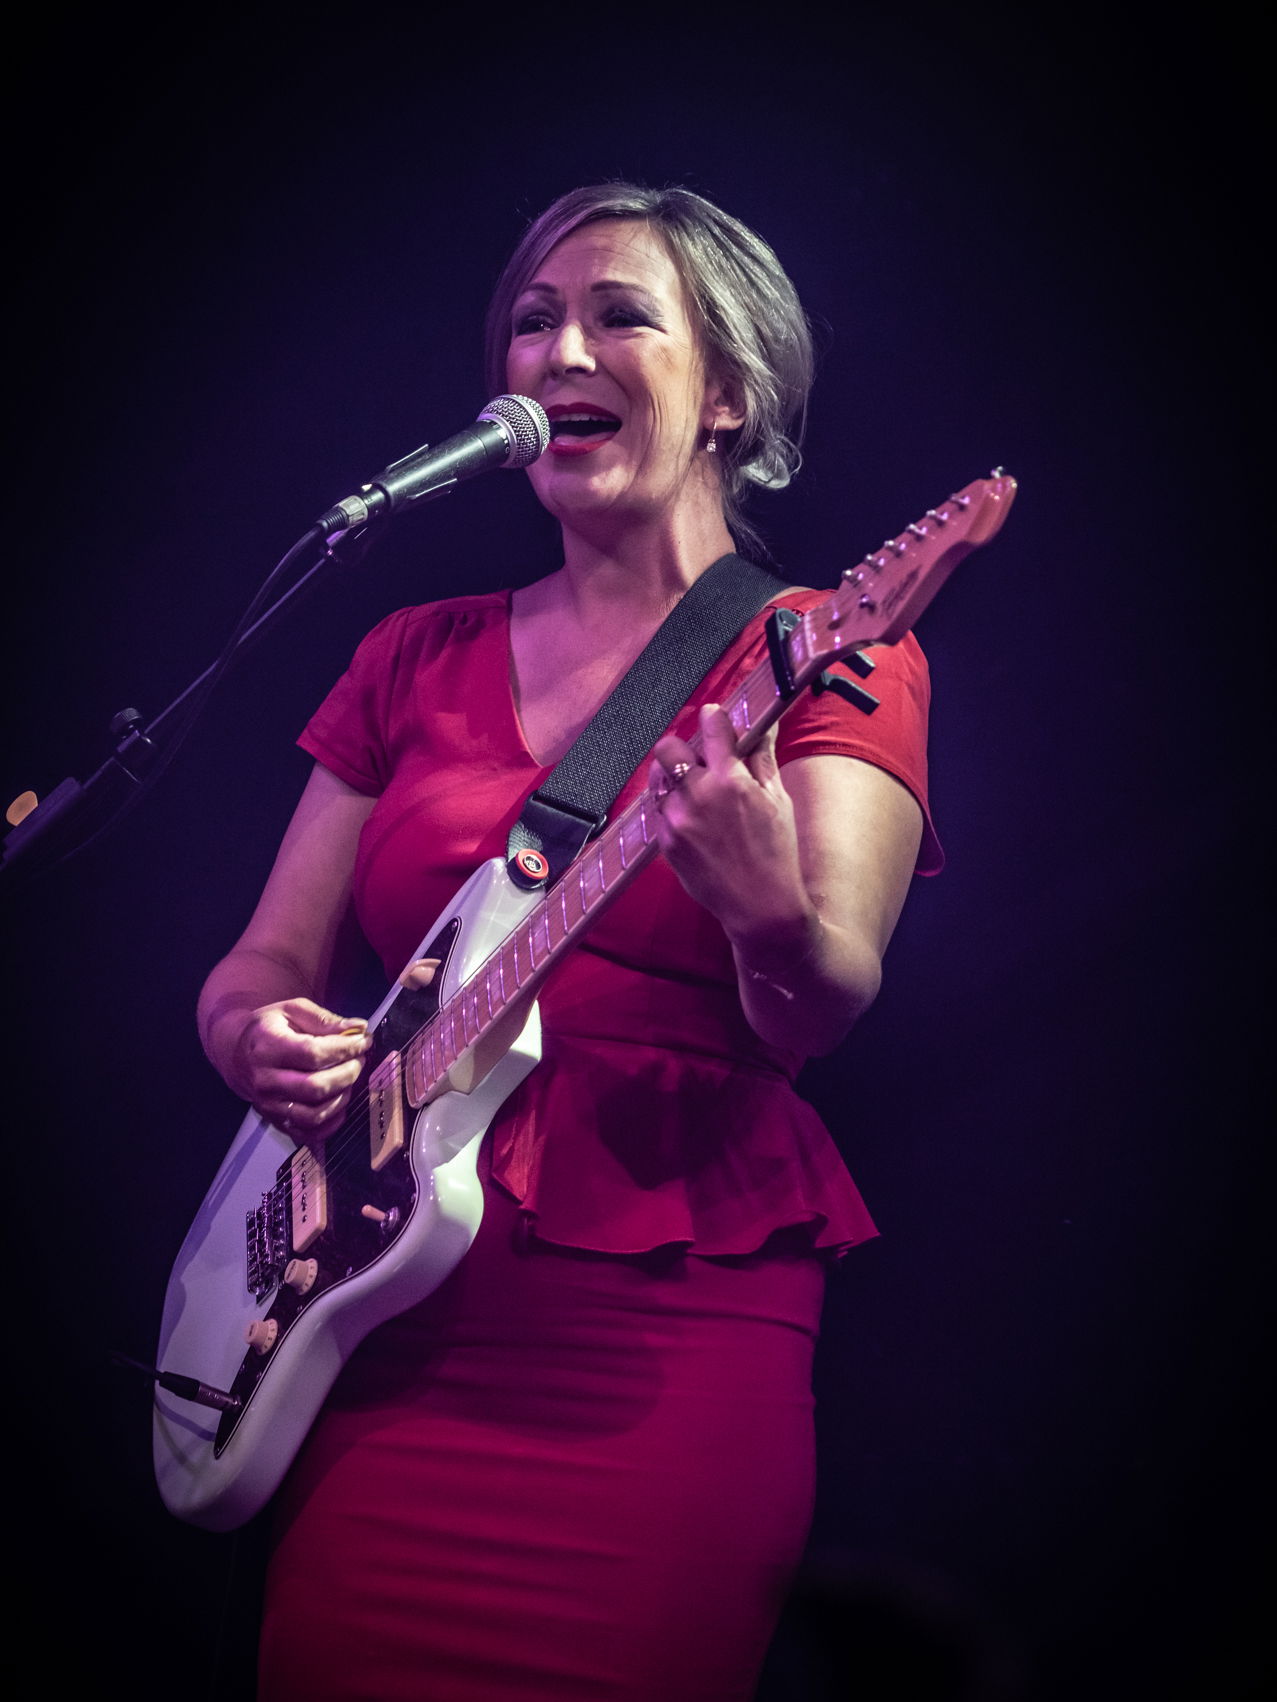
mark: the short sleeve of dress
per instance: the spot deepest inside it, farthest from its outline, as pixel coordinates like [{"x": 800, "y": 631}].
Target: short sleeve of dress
[
  {"x": 347, "y": 733},
  {"x": 355, "y": 730}
]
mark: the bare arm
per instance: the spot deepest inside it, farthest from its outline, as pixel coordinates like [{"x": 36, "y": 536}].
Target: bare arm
[
  {"x": 807, "y": 874},
  {"x": 261, "y": 1016}
]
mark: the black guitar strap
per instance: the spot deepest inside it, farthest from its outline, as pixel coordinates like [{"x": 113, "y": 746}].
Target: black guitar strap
[{"x": 572, "y": 804}]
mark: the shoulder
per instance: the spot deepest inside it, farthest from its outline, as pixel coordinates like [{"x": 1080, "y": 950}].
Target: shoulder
[
  {"x": 423, "y": 628},
  {"x": 418, "y": 618}
]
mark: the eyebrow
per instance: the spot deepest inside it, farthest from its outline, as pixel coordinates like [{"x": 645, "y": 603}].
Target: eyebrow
[{"x": 602, "y": 287}]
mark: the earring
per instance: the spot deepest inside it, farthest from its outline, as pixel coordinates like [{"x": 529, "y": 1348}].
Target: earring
[{"x": 711, "y": 448}]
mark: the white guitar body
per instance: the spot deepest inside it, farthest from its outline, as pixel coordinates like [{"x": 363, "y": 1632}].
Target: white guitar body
[{"x": 208, "y": 1304}]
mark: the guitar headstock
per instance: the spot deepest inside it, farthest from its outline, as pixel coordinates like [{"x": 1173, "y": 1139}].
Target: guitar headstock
[{"x": 881, "y": 597}]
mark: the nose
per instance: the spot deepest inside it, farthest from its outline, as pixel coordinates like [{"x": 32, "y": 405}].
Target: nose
[{"x": 570, "y": 350}]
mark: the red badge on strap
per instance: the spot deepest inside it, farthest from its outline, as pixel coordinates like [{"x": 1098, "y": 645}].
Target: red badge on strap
[{"x": 531, "y": 865}]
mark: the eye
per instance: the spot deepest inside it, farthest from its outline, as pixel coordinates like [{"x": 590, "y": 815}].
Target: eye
[
  {"x": 624, "y": 317},
  {"x": 534, "y": 319}
]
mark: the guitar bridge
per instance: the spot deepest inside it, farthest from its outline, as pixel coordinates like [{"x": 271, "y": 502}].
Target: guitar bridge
[{"x": 269, "y": 1235}]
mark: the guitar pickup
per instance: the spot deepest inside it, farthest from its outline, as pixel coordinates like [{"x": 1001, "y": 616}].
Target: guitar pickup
[
  {"x": 386, "y": 1131},
  {"x": 308, "y": 1179}
]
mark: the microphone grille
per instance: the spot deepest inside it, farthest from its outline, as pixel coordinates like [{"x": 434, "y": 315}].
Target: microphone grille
[{"x": 526, "y": 422}]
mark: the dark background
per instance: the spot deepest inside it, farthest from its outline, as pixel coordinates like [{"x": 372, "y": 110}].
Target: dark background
[{"x": 248, "y": 268}]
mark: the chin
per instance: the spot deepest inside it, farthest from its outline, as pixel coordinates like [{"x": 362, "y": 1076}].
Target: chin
[{"x": 572, "y": 489}]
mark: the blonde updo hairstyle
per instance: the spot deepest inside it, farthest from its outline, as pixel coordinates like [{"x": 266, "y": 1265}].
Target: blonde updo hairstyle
[{"x": 755, "y": 335}]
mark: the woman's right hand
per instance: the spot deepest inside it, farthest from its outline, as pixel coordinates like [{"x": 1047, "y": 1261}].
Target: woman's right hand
[{"x": 296, "y": 1064}]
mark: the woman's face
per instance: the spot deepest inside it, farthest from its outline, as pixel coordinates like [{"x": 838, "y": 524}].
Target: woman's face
[{"x": 602, "y": 338}]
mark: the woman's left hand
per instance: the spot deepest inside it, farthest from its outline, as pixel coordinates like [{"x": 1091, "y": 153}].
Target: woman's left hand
[{"x": 726, "y": 828}]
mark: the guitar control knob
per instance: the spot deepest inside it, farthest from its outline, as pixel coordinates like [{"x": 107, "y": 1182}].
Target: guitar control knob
[
  {"x": 261, "y": 1334},
  {"x": 300, "y": 1274}
]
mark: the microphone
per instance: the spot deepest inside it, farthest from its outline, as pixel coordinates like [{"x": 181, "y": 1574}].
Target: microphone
[{"x": 510, "y": 432}]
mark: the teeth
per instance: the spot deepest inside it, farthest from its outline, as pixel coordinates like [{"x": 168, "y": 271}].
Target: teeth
[{"x": 583, "y": 424}]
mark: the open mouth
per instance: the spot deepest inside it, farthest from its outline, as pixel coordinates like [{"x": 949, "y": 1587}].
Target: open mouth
[{"x": 573, "y": 431}]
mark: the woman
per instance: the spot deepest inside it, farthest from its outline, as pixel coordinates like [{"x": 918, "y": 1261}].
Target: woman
[{"x": 583, "y": 1467}]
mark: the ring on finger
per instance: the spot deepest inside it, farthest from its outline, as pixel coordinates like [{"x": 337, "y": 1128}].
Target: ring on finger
[{"x": 672, "y": 778}]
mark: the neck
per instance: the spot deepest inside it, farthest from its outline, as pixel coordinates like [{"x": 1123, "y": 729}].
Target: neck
[{"x": 643, "y": 570}]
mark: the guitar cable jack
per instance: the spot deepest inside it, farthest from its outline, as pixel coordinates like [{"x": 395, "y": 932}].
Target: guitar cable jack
[{"x": 188, "y": 1388}]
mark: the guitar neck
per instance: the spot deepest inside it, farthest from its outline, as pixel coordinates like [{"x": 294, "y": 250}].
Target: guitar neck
[{"x": 876, "y": 603}]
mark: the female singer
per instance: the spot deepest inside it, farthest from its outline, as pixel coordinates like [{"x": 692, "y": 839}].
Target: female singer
[{"x": 584, "y": 1466}]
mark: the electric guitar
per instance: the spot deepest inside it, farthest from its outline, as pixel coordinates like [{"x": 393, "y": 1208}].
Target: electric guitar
[{"x": 297, "y": 1253}]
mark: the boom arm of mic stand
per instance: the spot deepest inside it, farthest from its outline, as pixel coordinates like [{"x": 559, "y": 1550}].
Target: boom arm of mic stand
[{"x": 73, "y": 815}]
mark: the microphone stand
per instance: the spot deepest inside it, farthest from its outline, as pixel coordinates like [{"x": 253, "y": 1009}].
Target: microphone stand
[{"x": 74, "y": 815}]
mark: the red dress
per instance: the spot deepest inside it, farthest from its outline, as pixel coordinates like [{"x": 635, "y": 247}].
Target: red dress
[{"x": 583, "y": 1468}]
